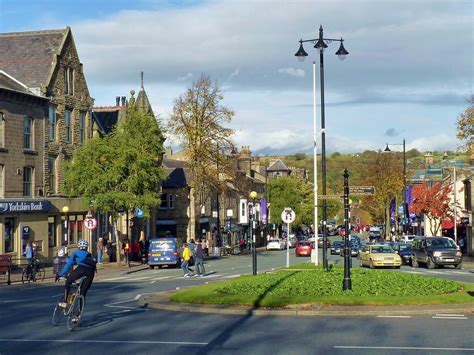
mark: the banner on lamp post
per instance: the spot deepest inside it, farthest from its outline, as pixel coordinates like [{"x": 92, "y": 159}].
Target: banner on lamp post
[{"x": 263, "y": 210}]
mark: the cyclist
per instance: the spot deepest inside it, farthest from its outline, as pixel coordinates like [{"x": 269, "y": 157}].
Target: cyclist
[{"x": 86, "y": 266}]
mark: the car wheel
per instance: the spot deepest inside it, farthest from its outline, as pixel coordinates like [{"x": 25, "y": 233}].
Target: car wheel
[
  {"x": 160, "y": 266},
  {"x": 152, "y": 267},
  {"x": 414, "y": 262},
  {"x": 458, "y": 266},
  {"x": 430, "y": 264},
  {"x": 371, "y": 264}
]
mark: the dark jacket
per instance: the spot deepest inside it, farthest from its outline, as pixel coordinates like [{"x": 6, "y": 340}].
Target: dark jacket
[{"x": 199, "y": 254}]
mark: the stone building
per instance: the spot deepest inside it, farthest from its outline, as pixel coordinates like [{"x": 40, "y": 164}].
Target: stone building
[{"x": 45, "y": 107}]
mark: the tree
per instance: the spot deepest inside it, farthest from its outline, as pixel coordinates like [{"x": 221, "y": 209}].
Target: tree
[
  {"x": 121, "y": 170},
  {"x": 433, "y": 202},
  {"x": 465, "y": 126},
  {"x": 198, "y": 119}
]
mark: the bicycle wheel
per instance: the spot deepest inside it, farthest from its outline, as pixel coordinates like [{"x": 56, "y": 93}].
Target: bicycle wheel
[
  {"x": 57, "y": 313},
  {"x": 25, "y": 275},
  {"x": 40, "y": 274},
  {"x": 75, "y": 314}
]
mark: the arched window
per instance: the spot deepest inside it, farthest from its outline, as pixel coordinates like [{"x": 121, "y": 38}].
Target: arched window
[{"x": 28, "y": 133}]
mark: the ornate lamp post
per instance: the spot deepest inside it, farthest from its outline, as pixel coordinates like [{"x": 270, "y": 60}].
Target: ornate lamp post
[
  {"x": 252, "y": 213},
  {"x": 65, "y": 210},
  {"x": 320, "y": 44}
]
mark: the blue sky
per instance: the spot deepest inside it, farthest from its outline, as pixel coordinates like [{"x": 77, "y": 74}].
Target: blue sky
[{"x": 408, "y": 74}]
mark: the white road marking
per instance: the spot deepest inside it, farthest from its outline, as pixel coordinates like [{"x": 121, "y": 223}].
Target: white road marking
[
  {"x": 100, "y": 341},
  {"x": 114, "y": 305},
  {"x": 116, "y": 278},
  {"x": 30, "y": 299},
  {"x": 449, "y": 315},
  {"x": 401, "y": 348},
  {"x": 393, "y": 316}
]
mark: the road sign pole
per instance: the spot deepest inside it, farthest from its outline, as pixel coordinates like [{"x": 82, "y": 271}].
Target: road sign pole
[
  {"x": 288, "y": 246},
  {"x": 346, "y": 283}
]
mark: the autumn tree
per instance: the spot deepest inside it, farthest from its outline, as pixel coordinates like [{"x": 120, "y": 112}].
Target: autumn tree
[
  {"x": 433, "y": 202},
  {"x": 198, "y": 121},
  {"x": 465, "y": 127}
]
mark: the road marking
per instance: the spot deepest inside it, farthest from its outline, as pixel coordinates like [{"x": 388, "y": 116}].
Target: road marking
[
  {"x": 100, "y": 341},
  {"x": 116, "y": 278},
  {"x": 449, "y": 315},
  {"x": 401, "y": 348},
  {"x": 30, "y": 299},
  {"x": 393, "y": 316},
  {"x": 114, "y": 305},
  {"x": 456, "y": 318}
]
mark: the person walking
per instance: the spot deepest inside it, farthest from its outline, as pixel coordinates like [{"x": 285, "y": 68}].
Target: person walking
[
  {"x": 100, "y": 250},
  {"x": 242, "y": 244},
  {"x": 143, "y": 248},
  {"x": 199, "y": 260},
  {"x": 185, "y": 262},
  {"x": 192, "y": 248}
]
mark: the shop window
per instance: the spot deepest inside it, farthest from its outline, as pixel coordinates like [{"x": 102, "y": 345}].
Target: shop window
[
  {"x": 80, "y": 225},
  {"x": 9, "y": 235},
  {"x": 51, "y": 231},
  {"x": 72, "y": 230}
]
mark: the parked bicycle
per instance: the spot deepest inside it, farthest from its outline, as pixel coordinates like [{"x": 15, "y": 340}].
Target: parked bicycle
[
  {"x": 33, "y": 272},
  {"x": 74, "y": 308}
]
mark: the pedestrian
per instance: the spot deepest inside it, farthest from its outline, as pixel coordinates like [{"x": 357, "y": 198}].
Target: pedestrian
[
  {"x": 109, "y": 250},
  {"x": 126, "y": 251},
  {"x": 204, "y": 248},
  {"x": 461, "y": 245},
  {"x": 100, "y": 250},
  {"x": 192, "y": 248},
  {"x": 208, "y": 247},
  {"x": 242, "y": 244},
  {"x": 199, "y": 260},
  {"x": 185, "y": 261},
  {"x": 28, "y": 252},
  {"x": 143, "y": 248}
]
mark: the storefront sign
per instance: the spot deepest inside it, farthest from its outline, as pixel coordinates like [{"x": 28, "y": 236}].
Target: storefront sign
[
  {"x": 24, "y": 206},
  {"x": 25, "y": 232}
]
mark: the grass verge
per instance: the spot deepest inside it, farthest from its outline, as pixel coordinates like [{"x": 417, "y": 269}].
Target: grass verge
[{"x": 307, "y": 284}]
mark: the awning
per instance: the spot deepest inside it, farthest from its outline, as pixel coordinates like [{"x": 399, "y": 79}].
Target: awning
[{"x": 165, "y": 222}]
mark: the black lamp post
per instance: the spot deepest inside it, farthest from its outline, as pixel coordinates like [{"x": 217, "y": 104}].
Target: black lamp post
[
  {"x": 320, "y": 45},
  {"x": 252, "y": 213},
  {"x": 405, "y": 208}
]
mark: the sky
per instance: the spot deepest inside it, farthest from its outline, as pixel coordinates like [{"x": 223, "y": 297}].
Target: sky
[{"x": 408, "y": 74}]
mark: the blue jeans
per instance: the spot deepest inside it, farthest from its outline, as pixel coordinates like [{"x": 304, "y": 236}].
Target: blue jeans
[
  {"x": 99, "y": 256},
  {"x": 185, "y": 267},
  {"x": 200, "y": 266}
]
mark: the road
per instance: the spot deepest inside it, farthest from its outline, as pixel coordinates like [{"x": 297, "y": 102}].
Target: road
[{"x": 114, "y": 322}]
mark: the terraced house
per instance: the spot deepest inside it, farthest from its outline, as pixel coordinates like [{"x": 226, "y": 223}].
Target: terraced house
[{"x": 44, "y": 115}]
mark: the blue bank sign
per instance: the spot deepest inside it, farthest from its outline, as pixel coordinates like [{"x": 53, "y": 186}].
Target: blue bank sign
[{"x": 24, "y": 206}]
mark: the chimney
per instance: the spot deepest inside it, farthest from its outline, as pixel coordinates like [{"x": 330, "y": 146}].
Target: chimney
[
  {"x": 124, "y": 101},
  {"x": 117, "y": 101}
]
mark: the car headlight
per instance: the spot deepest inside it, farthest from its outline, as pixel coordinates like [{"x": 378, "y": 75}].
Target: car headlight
[
  {"x": 437, "y": 254},
  {"x": 458, "y": 253}
]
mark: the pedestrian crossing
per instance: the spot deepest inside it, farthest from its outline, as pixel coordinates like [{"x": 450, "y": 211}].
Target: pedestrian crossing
[{"x": 153, "y": 278}]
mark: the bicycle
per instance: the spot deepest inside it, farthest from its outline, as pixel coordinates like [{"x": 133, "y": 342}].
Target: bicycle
[
  {"x": 28, "y": 275},
  {"x": 74, "y": 309}
]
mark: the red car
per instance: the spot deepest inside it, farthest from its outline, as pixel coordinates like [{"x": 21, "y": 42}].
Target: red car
[{"x": 303, "y": 248}]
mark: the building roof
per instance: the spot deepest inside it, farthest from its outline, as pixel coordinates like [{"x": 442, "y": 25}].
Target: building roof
[
  {"x": 142, "y": 102},
  {"x": 29, "y": 56},
  {"x": 278, "y": 165},
  {"x": 106, "y": 118},
  {"x": 177, "y": 174}
]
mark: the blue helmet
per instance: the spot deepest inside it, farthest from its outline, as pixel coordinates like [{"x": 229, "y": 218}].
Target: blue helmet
[{"x": 82, "y": 244}]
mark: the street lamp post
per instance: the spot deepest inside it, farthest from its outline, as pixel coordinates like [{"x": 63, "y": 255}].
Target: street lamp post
[
  {"x": 253, "y": 196},
  {"x": 65, "y": 210},
  {"x": 405, "y": 209},
  {"x": 320, "y": 44}
]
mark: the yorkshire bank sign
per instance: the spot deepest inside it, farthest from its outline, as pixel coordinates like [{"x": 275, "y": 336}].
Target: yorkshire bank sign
[{"x": 24, "y": 206}]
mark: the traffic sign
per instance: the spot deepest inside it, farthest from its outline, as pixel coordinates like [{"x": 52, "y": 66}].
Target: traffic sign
[
  {"x": 361, "y": 190},
  {"x": 90, "y": 223},
  {"x": 288, "y": 215}
]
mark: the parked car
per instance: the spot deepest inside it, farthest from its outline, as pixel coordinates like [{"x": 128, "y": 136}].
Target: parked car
[
  {"x": 304, "y": 248},
  {"x": 320, "y": 242},
  {"x": 353, "y": 247},
  {"x": 404, "y": 250},
  {"x": 435, "y": 251},
  {"x": 164, "y": 251},
  {"x": 276, "y": 244},
  {"x": 379, "y": 255},
  {"x": 336, "y": 247}
]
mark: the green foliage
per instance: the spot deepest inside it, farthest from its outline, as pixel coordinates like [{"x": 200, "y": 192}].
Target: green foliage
[
  {"x": 122, "y": 169},
  {"x": 306, "y": 283},
  {"x": 299, "y": 156}
]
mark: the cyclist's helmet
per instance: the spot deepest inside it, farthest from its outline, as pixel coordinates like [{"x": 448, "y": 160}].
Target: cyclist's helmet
[{"x": 83, "y": 244}]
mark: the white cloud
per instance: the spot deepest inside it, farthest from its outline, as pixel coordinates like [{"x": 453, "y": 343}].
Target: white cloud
[
  {"x": 299, "y": 73},
  {"x": 185, "y": 77},
  {"x": 439, "y": 142}
]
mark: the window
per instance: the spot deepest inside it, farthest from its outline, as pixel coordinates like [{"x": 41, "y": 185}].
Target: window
[
  {"x": 9, "y": 234},
  {"x": 72, "y": 229},
  {"x": 68, "y": 81},
  {"x": 52, "y": 174},
  {"x": 80, "y": 224},
  {"x": 167, "y": 201},
  {"x": 82, "y": 118},
  {"x": 2, "y": 130},
  {"x": 52, "y": 123},
  {"x": 67, "y": 119},
  {"x": 51, "y": 231},
  {"x": 27, "y": 181},
  {"x": 27, "y": 133}
]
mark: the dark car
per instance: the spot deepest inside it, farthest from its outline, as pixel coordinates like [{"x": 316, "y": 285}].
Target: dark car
[
  {"x": 435, "y": 251},
  {"x": 404, "y": 250},
  {"x": 336, "y": 247},
  {"x": 353, "y": 247}
]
